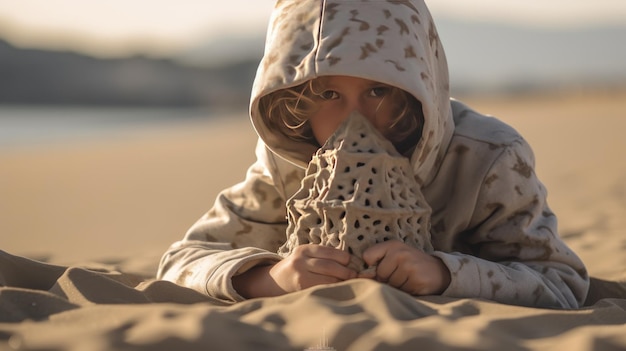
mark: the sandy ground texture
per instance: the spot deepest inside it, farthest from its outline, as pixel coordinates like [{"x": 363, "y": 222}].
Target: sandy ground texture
[{"x": 101, "y": 212}]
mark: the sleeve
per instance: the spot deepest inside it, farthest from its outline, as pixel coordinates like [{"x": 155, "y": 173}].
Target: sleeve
[
  {"x": 244, "y": 228},
  {"x": 516, "y": 255}
]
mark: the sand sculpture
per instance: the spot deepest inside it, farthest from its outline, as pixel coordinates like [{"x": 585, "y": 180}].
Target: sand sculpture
[{"x": 357, "y": 191}]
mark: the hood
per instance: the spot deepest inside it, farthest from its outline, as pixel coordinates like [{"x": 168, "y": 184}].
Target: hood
[{"x": 393, "y": 42}]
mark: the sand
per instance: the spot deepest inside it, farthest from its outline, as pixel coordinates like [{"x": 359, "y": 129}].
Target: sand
[
  {"x": 113, "y": 197},
  {"x": 114, "y": 205}
]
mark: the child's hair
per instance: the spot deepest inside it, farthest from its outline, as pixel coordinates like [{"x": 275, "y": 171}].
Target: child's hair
[{"x": 288, "y": 110}]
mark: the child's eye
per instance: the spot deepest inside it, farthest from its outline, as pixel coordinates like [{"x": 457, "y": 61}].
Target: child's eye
[
  {"x": 329, "y": 95},
  {"x": 379, "y": 91}
]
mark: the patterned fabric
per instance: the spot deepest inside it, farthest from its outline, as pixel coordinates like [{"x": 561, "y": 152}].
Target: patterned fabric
[{"x": 491, "y": 224}]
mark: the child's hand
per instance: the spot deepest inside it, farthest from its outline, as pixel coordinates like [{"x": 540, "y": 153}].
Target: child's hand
[
  {"x": 407, "y": 268},
  {"x": 311, "y": 265},
  {"x": 307, "y": 266}
]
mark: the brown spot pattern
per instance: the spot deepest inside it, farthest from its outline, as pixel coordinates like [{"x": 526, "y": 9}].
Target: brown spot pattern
[
  {"x": 366, "y": 50},
  {"x": 522, "y": 168},
  {"x": 335, "y": 43},
  {"x": 404, "y": 28},
  {"x": 409, "y": 52},
  {"x": 381, "y": 29},
  {"x": 396, "y": 65},
  {"x": 363, "y": 25},
  {"x": 490, "y": 179},
  {"x": 406, "y": 3},
  {"x": 331, "y": 11}
]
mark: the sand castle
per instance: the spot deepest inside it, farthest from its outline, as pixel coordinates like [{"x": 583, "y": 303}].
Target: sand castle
[{"x": 357, "y": 191}]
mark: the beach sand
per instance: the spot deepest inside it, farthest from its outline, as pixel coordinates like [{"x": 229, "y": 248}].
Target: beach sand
[
  {"x": 114, "y": 197},
  {"x": 127, "y": 199}
]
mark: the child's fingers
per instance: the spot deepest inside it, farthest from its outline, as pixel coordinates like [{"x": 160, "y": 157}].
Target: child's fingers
[
  {"x": 374, "y": 254},
  {"x": 330, "y": 268},
  {"x": 326, "y": 253}
]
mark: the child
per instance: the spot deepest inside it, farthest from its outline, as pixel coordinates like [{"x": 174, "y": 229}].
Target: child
[{"x": 493, "y": 234}]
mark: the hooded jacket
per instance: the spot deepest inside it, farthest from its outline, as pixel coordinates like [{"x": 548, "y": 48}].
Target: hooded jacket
[{"x": 491, "y": 225}]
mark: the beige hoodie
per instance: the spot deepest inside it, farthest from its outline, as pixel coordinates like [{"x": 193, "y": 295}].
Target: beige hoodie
[{"x": 491, "y": 225}]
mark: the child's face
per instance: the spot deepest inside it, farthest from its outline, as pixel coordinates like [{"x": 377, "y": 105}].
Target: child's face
[{"x": 342, "y": 95}]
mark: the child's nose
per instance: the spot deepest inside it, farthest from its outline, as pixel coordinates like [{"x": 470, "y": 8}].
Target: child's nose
[{"x": 362, "y": 108}]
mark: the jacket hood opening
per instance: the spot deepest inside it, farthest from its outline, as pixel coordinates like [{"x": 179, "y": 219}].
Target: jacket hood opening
[{"x": 391, "y": 42}]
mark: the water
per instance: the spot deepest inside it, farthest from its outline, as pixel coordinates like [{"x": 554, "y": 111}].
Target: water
[{"x": 36, "y": 125}]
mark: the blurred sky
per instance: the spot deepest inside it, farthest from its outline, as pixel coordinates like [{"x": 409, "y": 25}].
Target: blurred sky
[{"x": 160, "y": 27}]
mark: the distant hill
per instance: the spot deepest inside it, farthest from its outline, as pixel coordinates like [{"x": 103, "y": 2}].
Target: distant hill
[
  {"x": 483, "y": 57},
  {"x": 31, "y": 76}
]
